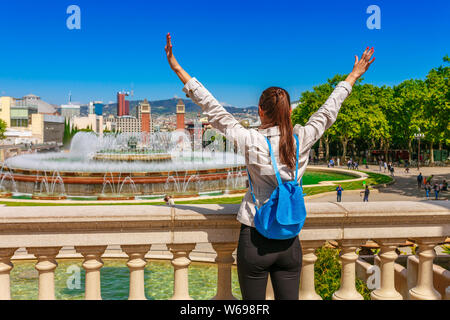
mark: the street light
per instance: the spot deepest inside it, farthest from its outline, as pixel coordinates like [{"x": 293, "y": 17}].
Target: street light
[{"x": 418, "y": 136}]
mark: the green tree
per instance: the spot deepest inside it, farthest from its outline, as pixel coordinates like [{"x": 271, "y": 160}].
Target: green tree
[
  {"x": 437, "y": 106},
  {"x": 406, "y": 113},
  {"x": 3, "y": 126}
]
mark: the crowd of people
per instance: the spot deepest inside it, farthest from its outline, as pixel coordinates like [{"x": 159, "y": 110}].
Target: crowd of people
[{"x": 428, "y": 184}]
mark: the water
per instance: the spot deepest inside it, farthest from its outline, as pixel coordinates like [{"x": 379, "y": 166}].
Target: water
[
  {"x": 158, "y": 279},
  {"x": 186, "y": 154},
  {"x": 115, "y": 185},
  {"x": 7, "y": 183}
]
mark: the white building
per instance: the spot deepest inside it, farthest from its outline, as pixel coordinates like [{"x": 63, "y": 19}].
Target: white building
[
  {"x": 92, "y": 121},
  {"x": 70, "y": 110}
]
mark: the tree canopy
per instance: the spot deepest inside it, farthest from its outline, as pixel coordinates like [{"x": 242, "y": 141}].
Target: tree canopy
[{"x": 382, "y": 118}]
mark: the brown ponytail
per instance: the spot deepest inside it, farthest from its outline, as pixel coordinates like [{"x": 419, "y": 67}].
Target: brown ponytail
[{"x": 276, "y": 104}]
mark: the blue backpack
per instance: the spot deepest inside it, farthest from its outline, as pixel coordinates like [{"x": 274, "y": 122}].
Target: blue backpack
[{"x": 283, "y": 215}]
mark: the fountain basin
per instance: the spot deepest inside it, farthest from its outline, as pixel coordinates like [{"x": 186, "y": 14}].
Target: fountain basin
[
  {"x": 6, "y": 194},
  {"x": 115, "y": 197},
  {"x": 48, "y": 197}
]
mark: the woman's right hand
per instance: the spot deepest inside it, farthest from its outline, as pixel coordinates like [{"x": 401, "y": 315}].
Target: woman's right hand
[{"x": 361, "y": 66}]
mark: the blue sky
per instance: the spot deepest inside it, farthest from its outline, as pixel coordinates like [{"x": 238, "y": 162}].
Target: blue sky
[{"x": 236, "y": 48}]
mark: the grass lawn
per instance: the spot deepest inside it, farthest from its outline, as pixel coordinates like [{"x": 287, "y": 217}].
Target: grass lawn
[{"x": 372, "y": 180}]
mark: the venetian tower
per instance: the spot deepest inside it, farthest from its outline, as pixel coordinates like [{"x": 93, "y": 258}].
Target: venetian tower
[
  {"x": 144, "y": 114},
  {"x": 181, "y": 109}
]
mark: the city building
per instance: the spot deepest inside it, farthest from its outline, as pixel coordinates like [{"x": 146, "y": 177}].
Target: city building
[
  {"x": 144, "y": 115},
  {"x": 91, "y": 108},
  {"x": 181, "y": 110},
  {"x": 21, "y": 113},
  {"x": 47, "y": 128},
  {"x": 123, "y": 106},
  {"x": 98, "y": 108},
  {"x": 42, "y": 106},
  {"x": 92, "y": 121},
  {"x": 5, "y": 109},
  {"x": 17, "y": 112},
  {"x": 123, "y": 124},
  {"x": 70, "y": 110}
]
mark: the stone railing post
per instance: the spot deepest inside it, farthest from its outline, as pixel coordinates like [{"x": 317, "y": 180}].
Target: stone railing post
[
  {"x": 181, "y": 262},
  {"x": 92, "y": 264},
  {"x": 46, "y": 266},
  {"x": 307, "y": 289},
  {"x": 224, "y": 262},
  {"x": 424, "y": 290},
  {"x": 387, "y": 260},
  {"x": 5, "y": 269},
  {"x": 136, "y": 263},
  {"x": 347, "y": 289}
]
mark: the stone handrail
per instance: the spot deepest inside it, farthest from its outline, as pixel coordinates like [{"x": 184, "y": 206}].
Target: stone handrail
[{"x": 43, "y": 231}]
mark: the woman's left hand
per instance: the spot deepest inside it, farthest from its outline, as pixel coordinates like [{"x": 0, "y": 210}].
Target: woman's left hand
[
  {"x": 174, "y": 65},
  {"x": 170, "y": 57}
]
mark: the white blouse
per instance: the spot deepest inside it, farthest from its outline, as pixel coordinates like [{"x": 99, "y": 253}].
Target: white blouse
[{"x": 252, "y": 144}]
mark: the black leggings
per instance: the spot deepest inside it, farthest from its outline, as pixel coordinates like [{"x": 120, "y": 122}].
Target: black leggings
[{"x": 258, "y": 256}]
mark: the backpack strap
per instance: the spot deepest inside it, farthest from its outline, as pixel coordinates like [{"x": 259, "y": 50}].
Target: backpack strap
[
  {"x": 251, "y": 190},
  {"x": 274, "y": 162},
  {"x": 297, "y": 156}
]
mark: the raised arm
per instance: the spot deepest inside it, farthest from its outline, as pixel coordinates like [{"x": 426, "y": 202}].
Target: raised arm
[
  {"x": 327, "y": 113},
  {"x": 218, "y": 117},
  {"x": 181, "y": 73}
]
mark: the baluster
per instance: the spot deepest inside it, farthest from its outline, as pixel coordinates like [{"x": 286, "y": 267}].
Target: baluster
[
  {"x": 307, "y": 289},
  {"x": 92, "y": 264},
  {"x": 224, "y": 262},
  {"x": 347, "y": 289},
  {"x": 387, "y": 260},
  {"x": 424, "y": 290},
  {"x": 46, "y": 266},
  {"x": 5, "y": 270},
  {"x": 136, "y": 263},
  {"x": 181, "y": 262}
]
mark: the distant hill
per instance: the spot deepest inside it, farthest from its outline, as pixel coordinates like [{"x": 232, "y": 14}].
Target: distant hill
[{"x": 169, "y": 106}]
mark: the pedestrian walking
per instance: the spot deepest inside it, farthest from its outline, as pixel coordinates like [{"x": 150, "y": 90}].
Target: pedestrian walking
[
  {"x": 385, "y": 166},
  {"x": 436, "y": 189},
  {"x": 366, "y": 193},
  {"x": 339, "y": 193},
  {"x": 391, "y": 169},
  {"x": 419, "y": 180},
  {"x": 427, "y": 190}
]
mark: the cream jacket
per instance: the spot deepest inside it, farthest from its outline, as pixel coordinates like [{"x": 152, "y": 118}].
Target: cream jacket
[{"x": 252, "y": 144}]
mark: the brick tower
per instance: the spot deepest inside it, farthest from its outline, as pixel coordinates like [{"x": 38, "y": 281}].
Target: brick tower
[
  {"x": 180, "y": 115},
  {"x": 144, "y": 114}
]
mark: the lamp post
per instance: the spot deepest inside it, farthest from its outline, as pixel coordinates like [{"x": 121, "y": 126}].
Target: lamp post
[{"x": 418, "y": 136}]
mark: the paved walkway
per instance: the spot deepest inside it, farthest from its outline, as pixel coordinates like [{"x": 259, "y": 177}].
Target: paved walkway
[{"x": 403, "y": 189}]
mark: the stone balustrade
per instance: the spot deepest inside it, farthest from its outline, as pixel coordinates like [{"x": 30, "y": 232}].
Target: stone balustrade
[{"x": 91, "y": 229}]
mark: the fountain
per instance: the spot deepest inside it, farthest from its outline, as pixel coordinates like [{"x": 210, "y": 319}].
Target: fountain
[
  {"x": 116, "y": 185},
  {"x": 131, "y": 164},
  {"x": 235, "y": 181},
  {"x": 7, "y": 183},
  {"x": 46, "y": 187}
]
